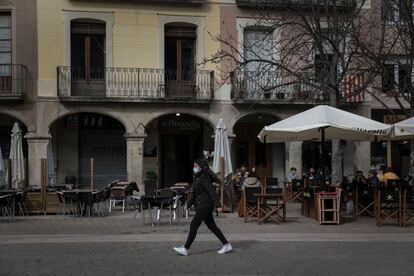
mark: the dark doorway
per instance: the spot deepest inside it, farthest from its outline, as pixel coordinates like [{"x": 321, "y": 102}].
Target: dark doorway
[
  {"x": 182, "y": 139},
  {"x": 88, "y": 57},
  {"x": 250, "y": 152},
  {"x": 176, "y": 158},
  {"x": 180, "y": 42}
]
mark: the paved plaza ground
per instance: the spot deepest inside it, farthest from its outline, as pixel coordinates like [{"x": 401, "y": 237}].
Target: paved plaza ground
[{"x": 121, "y": 245}]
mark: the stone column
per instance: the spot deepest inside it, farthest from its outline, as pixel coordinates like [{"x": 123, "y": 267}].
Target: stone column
[
  {"x": 362, "y": 156},
  {"x": 231, "y": 138},
  {"x": 294, "y": 156},
  {"x": 37, "y": 150},
  {"x": 135, "y": 158}
]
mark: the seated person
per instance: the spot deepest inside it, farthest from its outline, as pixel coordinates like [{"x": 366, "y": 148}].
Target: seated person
[
  {"x": 359, "y": 179},
  {"x": 311, "y": 176},
  {"x": 251, "y": 181},
  {"x": 388, "y": 175},
  {"x": 373, "y": 179},
  {"x": 292, "y": 174}
]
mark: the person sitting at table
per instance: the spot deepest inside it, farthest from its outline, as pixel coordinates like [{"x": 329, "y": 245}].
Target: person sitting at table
[
  {"x": 251, "y": 181},
  {"x": 292, "y": 174},
  {"x": 388, "y": 175},
  {"x": 359, "y": 179},
  {"x": 373, "y": 179}
]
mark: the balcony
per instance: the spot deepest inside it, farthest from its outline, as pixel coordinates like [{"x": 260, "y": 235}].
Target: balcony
[
  {"x": 269, "y": 87},
  {"x": 348, "y": 4},
  {"x": 160, "y": 1},
  {"x": 13, "y": 81},
  {"x": 134, "y": 84}
]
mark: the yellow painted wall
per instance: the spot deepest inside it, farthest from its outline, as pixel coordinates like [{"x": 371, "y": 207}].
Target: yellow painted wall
[{"x": 135, "y": 33}]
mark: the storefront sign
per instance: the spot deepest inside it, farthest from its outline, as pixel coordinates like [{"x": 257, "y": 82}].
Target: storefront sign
[{"x": 181, "y": 124}]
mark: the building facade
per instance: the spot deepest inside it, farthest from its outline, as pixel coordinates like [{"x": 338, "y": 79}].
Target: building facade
[
  {"x": 124, "y": 83},
  {"x": 18, "y": 72}
]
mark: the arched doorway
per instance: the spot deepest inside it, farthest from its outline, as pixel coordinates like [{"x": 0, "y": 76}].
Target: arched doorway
[
  {"x": 267, "y": 159},
  {"x": 173, "y": 142},
  {"x": 6, "y": 126},
  {"x": 77, "y": 138}
]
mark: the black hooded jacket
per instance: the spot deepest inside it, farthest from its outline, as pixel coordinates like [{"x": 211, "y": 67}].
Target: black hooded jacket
[{"x": 204, "y": 194}]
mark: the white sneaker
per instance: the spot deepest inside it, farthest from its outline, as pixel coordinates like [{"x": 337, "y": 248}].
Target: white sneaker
[
  {"x": 226, "y": 248},
  {"x": 181, "y": 250}
]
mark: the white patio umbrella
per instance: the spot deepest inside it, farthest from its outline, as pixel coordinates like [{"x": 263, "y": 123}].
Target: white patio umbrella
[
  {"x": 50, "y": 164},
  {"x": 222, "y": 157},
  {"x": 18, "y": 174},
  {"x": 325, "y": 122},
  {"x": 404, "y": 129}
]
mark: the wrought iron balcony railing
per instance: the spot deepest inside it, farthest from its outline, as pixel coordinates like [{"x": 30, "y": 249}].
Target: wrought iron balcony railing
[
  {"x": 13, "y": 81},
  {"x": 272, "y": 87},
  {"x": 140, "y": 84},
  {"x": 296, "y": 3}
]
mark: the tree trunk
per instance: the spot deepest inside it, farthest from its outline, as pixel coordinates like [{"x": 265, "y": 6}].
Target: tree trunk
[
  {"x": 337, "y": 156},
  {"x": 337, "y": 152}
]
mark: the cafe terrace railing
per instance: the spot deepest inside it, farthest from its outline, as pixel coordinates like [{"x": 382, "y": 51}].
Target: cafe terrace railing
[
  {"x": 114, "y": 83},
  {"x": 13, "y": 81}
]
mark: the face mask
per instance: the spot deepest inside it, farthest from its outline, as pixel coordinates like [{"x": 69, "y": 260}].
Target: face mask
[{"x": 196, "y": 170}]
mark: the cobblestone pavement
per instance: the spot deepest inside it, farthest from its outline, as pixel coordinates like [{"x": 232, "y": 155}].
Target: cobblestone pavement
[{"x": 120, "y": 245}]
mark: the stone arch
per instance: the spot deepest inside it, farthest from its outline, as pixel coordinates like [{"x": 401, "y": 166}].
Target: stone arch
[
  {"x": 160, "y": 115},
  {"x": 242, "y": 116},
  {"x": 18, "y": 116},
  {"x": 124, "y": 120}
]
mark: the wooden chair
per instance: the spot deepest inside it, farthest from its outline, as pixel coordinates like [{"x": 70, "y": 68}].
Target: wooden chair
[
  {"x": 250, "y": 202},
  {"x": 388, "y": 202},
  {"x": 271, "y": 182},
  {"x": 297, "y": 190},
  {"x": 407, "y": 206},
  {"x": 272, "y": 206},
  {"x": 364, "y": 201},
  {"x": 329, "y": 207}
]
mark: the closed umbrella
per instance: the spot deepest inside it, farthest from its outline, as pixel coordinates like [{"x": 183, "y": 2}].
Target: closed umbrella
[
  {"x": 222, "y": 157},
  {"x": 2, "y": 171},
  {"x": 16, "y": 158},
  {"x": 50, "y": 164}
]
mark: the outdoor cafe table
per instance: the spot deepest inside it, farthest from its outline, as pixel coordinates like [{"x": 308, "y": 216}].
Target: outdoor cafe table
[
  {"x": 10, "y": 192},
  {"x": 83, "y": 192},
  {"x": 150, "y": 201}
]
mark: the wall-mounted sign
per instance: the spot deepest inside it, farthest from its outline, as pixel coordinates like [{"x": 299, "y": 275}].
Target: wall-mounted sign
[{"x": 186, "y": 124}]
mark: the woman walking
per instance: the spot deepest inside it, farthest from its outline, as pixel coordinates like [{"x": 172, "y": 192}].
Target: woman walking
[{"x": 205, "y": 200}]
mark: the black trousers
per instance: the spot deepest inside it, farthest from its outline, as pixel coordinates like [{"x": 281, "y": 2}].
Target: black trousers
[{"x": 206, "y": 215}]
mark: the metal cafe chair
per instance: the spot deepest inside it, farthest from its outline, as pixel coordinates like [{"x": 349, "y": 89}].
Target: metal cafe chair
[
  {"x": 388, "y": 202},
  {"x": 117, "y": 196}
]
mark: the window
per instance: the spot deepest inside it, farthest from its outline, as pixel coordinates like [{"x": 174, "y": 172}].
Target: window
[
  {"x": 5, "y": 38},
  {"x": 259, "y": 76},
  {"x": 257, "y": 45},
  {"x": 180, "y": 45},
  {"x": 5, "y": 53},
  {"x": 396, "y": 11},
  {"x": 88, "y": 48},
  {"x": 87, "y": 54},
  {"x": 396, "y": 77}
]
